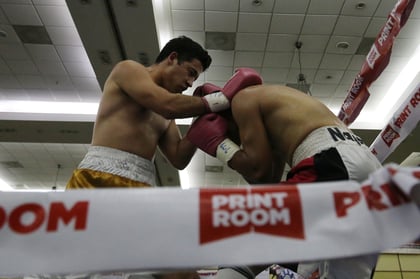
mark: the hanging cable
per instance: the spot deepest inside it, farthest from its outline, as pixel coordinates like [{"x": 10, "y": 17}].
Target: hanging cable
[
  {"x": 301, "y": 79},
  {"x": 54, "y": 187}
]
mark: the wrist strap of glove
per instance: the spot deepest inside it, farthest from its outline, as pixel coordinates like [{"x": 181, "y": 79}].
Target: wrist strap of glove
[
  {"x": 226, "y": 149},
  {"x": 216, "y": 102}
]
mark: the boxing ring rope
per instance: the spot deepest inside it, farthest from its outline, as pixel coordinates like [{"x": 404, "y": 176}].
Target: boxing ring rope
[
  {"x": 375, "y": 62},
  {"x": 84, "y": 231},
  {"x": 406, "y": 117}
]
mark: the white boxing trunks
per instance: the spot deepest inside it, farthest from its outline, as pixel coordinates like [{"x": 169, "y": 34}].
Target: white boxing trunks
[{"x": 330, "y": 154}]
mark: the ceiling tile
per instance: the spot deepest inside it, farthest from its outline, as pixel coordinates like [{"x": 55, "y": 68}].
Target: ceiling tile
[
  {"x": 404, "y": 47},
  {"x": 277, "y": 59},
  {"x": 328, "y": 76},
  {"x": 3, "y": 19},
  {"x": 198, "y": 36},
  {"x": 11, "y": 36},
  {"x": 274, "y": 75},
  {"x": 313, "y": 43},
  {"x": 325, "y": 7},
  {"x": 219, "y": 73},
  {"x": 40, "y": 95},
  {"x": 250, "y": 41},
  {"x": 79, "y": 69},
  {"x": 254, "y": 23},
  {"x": 54, "y": 68},
  {"x": 351, "y": 25},
  {"x": 21, "y": 14},
  {"x": 410, "y": 29},
  {"x": 353, "y": 7},
  {"x": 341, "y": 92},
  {"x": 60, "y": 83},
  {"x": 5, "y": 68},
  {"x": 64, "y": 36},
  {"x": 384, "y": 8},
  {"x": 13, "y": 52},
  {"x": 42, "y": 52},
  {"x": 279, "y": 42},
  {"x": 220, "y": 21},
  {"x": 291, "y": 6},
  {"x": 9, "y": 82},
  {"x": 72, "y": 53},
  {"x": 188, "y": 20},
  {"x": 265, "y": 6},
  {"x": 286, "y": 24},
  {"x": 319, "y": 24},
  {"x": 55, "y": 15},
  {"x": 335, "y": 61},
  {"x": 221, "y": 57},
  {"x": 49, "y": 2},
  {"x": 375, "y": 27},
  {"x": 15, "y": 94},
  {"x": 356, "y": 62},
  {"x": 348, "y": 77},
  {"x": 396, "y": 63},
  {"x": 292, "y": 76},
  {"x": 307, "y": 60},
  {"x": 31, "y": 81},
  {"x": 86, "y": 84},
  {"x": 187, "y": 4},
  {"x": 222, "y": 5},
  {"x": 248, "y": 59},
  {"x": 322, "y": 90}
]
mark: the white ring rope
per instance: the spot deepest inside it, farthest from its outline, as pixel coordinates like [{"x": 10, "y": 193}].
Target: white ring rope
[{"x": 147, "y": 229}]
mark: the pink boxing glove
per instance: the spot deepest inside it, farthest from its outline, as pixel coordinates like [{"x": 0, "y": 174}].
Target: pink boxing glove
[
  {"x": 242, "y": 78},
  {"x": 209, "y": 133},
  {"x": 205, "y": 89}
]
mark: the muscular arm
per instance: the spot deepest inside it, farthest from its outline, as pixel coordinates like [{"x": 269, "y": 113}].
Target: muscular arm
[
  {"x": 134, "y": 79},
  {"x": 255, "y": 161},
  {"x": 177, "y": 150}
]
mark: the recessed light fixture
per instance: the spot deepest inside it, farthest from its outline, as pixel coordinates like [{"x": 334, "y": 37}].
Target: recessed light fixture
[
  {"x": 3, "y": 34},
  {"x": 360, "y": 5},
  {"x": 342, "y": 45}
]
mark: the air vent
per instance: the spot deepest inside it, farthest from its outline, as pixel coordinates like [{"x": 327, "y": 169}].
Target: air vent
[
  {"x": 11, "y": 164},
  {"x": 365, "y": 46},
  {"x": 220, "y": 40},
  {"x": 30, "y": 34}
]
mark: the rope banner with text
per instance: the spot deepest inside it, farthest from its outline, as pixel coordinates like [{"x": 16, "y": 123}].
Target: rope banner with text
[{"x": 114, "y": 230}]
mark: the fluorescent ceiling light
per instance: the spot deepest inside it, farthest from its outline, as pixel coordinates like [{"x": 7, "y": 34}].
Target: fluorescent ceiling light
[
  {"x": 401, "y": 85},
  {"x": 48, "y": 107},
  {"x": 4, "y": 186}
]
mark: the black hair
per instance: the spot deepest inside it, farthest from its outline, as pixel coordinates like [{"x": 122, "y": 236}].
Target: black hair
[{"x": 187, "y": 50}]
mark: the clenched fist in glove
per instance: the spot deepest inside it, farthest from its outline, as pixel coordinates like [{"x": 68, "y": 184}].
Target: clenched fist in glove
[
  {"x": 242, "y": 78},
  {"x": 205, "y": 89},
  {"x": 209, "y": 133}
]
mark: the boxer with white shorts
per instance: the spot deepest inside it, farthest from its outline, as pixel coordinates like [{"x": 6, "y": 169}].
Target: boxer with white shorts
[{"x": 273, "y": 125}]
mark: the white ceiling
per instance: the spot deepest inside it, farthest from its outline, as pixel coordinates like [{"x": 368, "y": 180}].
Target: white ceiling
[{"x": 49, "y": 91}]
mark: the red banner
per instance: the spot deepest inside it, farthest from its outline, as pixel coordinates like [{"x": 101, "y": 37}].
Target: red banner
[{"x": 375, "y": 62}]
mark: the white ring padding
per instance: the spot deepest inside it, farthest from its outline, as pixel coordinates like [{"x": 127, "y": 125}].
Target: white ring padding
[{"x": 88, "y": 231}]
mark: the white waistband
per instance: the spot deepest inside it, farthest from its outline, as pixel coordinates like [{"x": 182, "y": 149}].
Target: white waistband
[
  {"x": 119, "y": 162},
  {"x": 323, "y": 138}
]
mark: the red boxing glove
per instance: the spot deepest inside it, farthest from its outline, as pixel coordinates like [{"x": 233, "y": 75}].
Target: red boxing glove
[
  {"x": 209, "y": 133},
  {"x": 242, "y": 78},
  {"x": 205, "y": 89}
]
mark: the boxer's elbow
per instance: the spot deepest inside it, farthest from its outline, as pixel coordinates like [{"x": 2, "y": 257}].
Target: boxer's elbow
[{"x": 254, "y": 172}]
